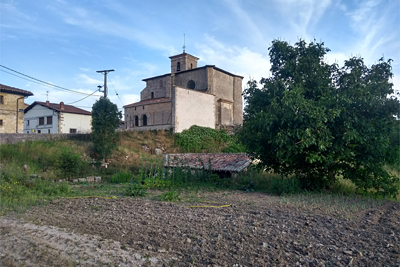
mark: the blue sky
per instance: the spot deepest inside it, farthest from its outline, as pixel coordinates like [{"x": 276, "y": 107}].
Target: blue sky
[{"x": 64, "y": 42}]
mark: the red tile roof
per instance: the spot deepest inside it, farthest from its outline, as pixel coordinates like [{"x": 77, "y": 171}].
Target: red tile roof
[
  {"x": 13, "y": 90},
  {"x": 57, "y": 107},
  {"x": 149, "y": 101},
  {"x": 231, "y": 162}
]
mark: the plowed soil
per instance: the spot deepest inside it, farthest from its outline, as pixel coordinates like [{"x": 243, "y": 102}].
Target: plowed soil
[{"x": 252, "y": 231}]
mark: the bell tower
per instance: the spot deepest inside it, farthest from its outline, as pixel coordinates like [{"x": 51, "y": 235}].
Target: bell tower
[{"x": 183, "y": 62}]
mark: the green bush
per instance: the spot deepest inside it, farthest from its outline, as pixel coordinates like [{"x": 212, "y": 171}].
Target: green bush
[
  {"x": 136, "y": 190},
  {"x": 170, "y": 196},
  {"x": 121, "y": 177},
  {"x": 68, "y": 163},
  {"x": 197, "y": 138}
]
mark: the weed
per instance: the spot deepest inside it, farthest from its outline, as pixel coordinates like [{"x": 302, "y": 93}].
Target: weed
[
  {"x": 136, "y": 190},
  {"x": 121, "y": 177},
  {"x": 170, "y": 196}
]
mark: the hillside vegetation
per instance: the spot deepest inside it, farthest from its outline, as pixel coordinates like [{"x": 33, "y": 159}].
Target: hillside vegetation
[{"x": 32, "y": 172}]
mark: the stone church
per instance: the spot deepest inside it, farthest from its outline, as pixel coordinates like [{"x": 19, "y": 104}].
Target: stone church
[{"x": 206, "y": 96}]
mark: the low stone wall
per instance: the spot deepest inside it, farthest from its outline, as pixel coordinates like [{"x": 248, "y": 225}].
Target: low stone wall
[{"x": 16, "y": 138}]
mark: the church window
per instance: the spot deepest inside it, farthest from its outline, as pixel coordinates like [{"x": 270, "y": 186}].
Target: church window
[
  {"x": 136, "y": 121},
  {"x": 178, "y": 67},
  {"x": 191, "y": 84},
  {"x": 144, "y": 120},
  {"x": 152, "y": 94},
  {"x": 191, "y": 66}
]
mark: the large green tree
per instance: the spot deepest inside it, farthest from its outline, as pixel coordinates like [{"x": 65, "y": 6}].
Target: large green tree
[
  {"x": 105, "y": 120},
  {"x": 318, "y": 120}
]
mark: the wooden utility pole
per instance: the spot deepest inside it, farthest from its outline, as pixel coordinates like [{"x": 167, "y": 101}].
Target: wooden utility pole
[{"x": 105, "y": 72}]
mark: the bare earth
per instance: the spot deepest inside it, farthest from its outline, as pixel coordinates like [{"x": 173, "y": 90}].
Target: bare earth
[{"x": 253, "y": 231}]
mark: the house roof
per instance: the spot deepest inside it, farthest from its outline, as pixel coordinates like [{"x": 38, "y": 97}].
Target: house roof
[
  {"x": 13, "y": 90},
  {"x": 149, "y": 101},
  {"x": 231, "y": 162},
  {"x": 58, "y": 107}
]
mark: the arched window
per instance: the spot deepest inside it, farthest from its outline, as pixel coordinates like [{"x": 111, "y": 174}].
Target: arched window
[
  {"x": 144, "y": 120},
  {"x": 178, "y": 67},
  {"x": 152, "y": 94},
  {"x": 191, "y": 66},
  {"x": 136, "y": 121},
  {"x": 191, "y": 84}
]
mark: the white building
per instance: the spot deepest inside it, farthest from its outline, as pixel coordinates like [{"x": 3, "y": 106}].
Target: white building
[{"x": 45, "y": 117}]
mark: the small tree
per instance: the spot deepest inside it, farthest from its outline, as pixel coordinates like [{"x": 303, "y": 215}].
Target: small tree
[
  {"x": 105, "y": 120},
  {"x": 318, "y": 121}
]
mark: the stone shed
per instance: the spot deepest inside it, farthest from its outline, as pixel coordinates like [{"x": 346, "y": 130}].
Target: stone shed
[{"x": 224, "y": 164}]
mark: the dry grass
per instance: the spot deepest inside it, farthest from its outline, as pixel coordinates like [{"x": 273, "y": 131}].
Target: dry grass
[{"x": 133, "y": 146}]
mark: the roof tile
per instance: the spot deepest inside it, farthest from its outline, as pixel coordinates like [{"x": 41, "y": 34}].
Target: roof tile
[{"x": 231, "y": 162}]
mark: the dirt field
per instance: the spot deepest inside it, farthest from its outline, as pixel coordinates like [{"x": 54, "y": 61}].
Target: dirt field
[{"x": 255, "y": 230}]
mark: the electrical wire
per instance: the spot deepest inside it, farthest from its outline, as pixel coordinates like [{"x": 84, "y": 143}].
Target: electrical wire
[
  {"x": 83, "y": 98},
  {"x": 116, "y": 92},
  {"x": 45, "y": 83}
]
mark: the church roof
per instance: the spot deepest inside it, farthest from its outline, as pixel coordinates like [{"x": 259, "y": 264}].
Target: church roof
[
  {"x": 184, "y": 54},
  {"x": 13, "y": 90},
  {"x": 149, "y": 101},
  {"x": 184, "y": 71}
]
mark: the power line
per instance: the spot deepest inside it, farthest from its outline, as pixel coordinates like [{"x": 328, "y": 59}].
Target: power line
[
  {"x": 45, "y": 83},
  {"x": 116, "y": 92},
  {"x": 83, "y": 98}
]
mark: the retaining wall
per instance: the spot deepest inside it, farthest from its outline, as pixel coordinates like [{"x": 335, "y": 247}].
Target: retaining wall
[{"x": 16, "y": 138}]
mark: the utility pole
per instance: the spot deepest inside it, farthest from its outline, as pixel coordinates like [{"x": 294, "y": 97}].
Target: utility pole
[{"x": 105, "y": 72}]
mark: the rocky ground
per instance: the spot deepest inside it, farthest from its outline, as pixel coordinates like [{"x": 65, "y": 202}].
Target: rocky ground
[{"x": 254, "y": 230}]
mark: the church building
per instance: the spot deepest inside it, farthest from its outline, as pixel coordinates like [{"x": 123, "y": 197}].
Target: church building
[{"x": 205, "y": 96}]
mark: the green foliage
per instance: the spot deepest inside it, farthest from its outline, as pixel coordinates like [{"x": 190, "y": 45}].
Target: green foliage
[
  {"x": 136, "y": 189},
  {"x": 248, "y": 186},
  {"x": 317, "y": 121},
  {"x": 197, "y": 138},
  {"x": 121, "y": 177},
  {"x": 105, "y": 119},
  {"x": 172, "y": 195},
  {"x": 68, "y": 163},
  {"x": 284, "y": 186}
]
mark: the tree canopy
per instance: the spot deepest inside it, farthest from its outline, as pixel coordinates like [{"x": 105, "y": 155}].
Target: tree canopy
[
  {"x": 318, "y": 120},
  {"x": 105, "y": 120}
]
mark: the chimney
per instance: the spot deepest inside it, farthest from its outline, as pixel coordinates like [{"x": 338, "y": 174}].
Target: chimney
[
  {"x": 62, "y": 105},
  {"x": 47, "y": 103}
]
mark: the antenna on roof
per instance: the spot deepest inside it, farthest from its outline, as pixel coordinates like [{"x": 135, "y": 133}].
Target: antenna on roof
[
  {"x": 184, "y": 46},
  {"x": 47, "y": 95}
]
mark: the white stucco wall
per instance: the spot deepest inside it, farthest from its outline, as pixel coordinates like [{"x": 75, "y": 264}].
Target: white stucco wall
[
  {"x": 193, "y": 108},
  {"x": 82, "y": 123},
  {"x": 33, "y": 116}
]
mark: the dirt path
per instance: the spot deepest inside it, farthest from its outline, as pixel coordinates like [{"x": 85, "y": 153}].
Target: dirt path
[{"x": 253, "y": 231}]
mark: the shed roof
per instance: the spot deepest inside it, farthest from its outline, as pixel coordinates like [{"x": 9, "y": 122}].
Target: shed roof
[
  {"x": 230, "y": 162},
  {"x": 13, "y": 90},
  {"x": 61, "y": 107}
]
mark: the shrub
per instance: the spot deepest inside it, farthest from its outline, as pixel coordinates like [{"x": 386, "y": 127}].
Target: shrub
[
  {"x": 121, "y": 177},
  {"x": 197, "y": 139},
  {"x": 68, "y": 163}
]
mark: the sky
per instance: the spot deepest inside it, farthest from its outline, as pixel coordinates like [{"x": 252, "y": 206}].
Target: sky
[{"x": 64, "y": 42}]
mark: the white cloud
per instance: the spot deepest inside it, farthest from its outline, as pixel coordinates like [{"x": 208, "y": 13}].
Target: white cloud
[
  {"x": 238, "y": 60},
  {"x": 86, "y": 80}
]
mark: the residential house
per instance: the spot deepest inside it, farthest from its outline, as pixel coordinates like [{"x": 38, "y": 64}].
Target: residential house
[
  {"x": 12, "y": 108},
  {"x": 45, "y": 117},
  {"x": 189, "y": 95}
]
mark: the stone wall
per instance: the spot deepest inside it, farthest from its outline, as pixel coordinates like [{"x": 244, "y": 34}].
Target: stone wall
[
  {"x": 8, "y": 113},
  {"x": 16, "y": 138}
]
